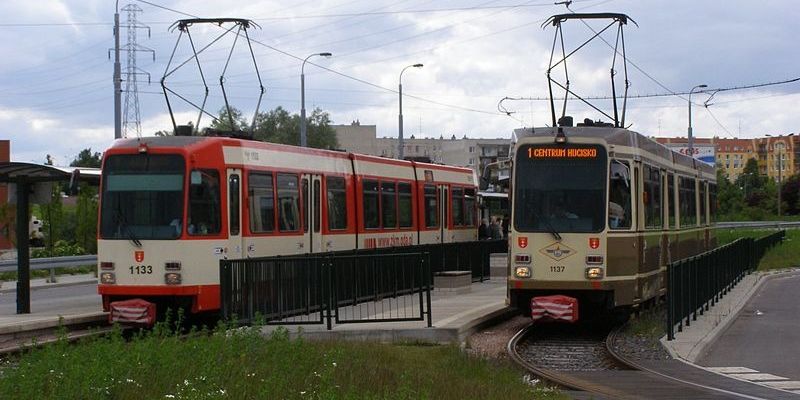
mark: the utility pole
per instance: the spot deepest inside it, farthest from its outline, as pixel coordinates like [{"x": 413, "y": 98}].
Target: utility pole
[
  {"x": 117, "y": 78},
  {"x": 780, "y": 177}
]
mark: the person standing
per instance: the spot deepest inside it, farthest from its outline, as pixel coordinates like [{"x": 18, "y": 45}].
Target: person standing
[
  {"x": 495, "y": 229},
  {"x": 484, "y": 232}
]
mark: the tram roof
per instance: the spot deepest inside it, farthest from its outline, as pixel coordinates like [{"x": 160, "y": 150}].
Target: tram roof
[{"x": 620, "y": 137}]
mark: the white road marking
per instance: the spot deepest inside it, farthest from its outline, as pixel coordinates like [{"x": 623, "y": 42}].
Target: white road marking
[
  {"x": 730, "y": 370},
  {"x": 784, "y": 384},
  {"x": 758, "y": 377}
]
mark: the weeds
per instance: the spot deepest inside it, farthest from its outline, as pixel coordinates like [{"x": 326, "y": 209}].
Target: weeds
[{"x": 239, "y": 363}]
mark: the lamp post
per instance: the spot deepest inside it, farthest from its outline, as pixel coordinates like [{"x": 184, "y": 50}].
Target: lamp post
[
  {"x": 691, "y": 140},
  {"x": 400, "y": 117},
  {"x": 780, "y": 173},
  {"x": 303, "y": 139}
]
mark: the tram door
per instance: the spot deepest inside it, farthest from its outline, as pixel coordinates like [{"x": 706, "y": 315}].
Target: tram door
[
  {"x": 312, "y": 213},
  {"x": 444, "y": 220},
  {"x": 234, "y": 214}
]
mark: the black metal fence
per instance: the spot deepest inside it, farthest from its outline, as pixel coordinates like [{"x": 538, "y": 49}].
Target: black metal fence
[
  {"x": 368, "y": 285},
  {"x": 323, "y": 288},
  {"x": 697, "y": 283}
]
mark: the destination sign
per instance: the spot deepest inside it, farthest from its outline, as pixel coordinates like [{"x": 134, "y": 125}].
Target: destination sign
[{"x": 550, "y": 152}]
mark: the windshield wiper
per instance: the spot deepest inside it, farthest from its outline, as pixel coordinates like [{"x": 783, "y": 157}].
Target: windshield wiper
[
  {"x": 124, "y": 225},
  {"x": 548, "y": 225}
]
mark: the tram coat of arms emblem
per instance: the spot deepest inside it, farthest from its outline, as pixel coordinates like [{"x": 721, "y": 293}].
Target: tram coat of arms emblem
[{"x": 138, "y": 255}]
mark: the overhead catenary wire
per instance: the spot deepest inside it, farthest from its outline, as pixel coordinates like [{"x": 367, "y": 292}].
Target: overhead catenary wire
[{"x": 353, "y": 78}]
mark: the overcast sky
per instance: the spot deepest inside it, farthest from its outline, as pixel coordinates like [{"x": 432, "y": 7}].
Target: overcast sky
[{"x": 56, "y": 88}]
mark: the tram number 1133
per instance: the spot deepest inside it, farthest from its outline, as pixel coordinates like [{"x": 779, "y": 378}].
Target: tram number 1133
[{"x": 141, "y": 269}]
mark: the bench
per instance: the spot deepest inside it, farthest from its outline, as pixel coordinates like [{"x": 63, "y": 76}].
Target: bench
[{"x": 452, "y": 281}]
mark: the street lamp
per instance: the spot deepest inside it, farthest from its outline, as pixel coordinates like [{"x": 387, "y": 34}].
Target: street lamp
[
  {"x": 303, "y": 140},
  {"x": 400, "y": 118},
  {"x": 691, "y": 141}
]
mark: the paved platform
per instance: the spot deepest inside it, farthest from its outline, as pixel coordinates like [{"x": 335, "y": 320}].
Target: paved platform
[
  {"x": 72, "y": 299},
  {"x": 454, "y": 317}
]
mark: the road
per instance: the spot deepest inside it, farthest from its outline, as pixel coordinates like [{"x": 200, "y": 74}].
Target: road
[
  {"x": 765, "y": 337},
  {"x": 77, "y": 299}
]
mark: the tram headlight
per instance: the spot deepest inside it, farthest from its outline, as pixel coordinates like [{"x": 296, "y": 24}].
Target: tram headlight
[
  {"x": 522, "y": 272},
  {"x": 172, "y": 278},
  {"x": 594, "y": 272},
  {"x": 108, "y": 278}
]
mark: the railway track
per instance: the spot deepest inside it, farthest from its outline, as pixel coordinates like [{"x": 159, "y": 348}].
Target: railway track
[
  {"x": 562, "y": 354},
  {"x": 580, "y": 359}
]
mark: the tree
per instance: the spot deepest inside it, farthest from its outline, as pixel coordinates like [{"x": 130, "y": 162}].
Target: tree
[
  {"x": 223, "y": 122},
  {"x": 790, "y": 194},
  {"x": 729, "y": 196},
  {"x": 86, "y": 219},
  {"x": 280, "y": 126},
  {"x": 87, "y": 159}
]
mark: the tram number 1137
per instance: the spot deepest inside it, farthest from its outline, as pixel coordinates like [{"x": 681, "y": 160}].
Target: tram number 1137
[
  {"x": 141, "y": 269},
  {"x": 556, "y": 268}
]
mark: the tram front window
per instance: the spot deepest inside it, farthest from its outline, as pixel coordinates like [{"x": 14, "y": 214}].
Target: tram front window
[
  {"x": 560, "y": 188},
  {"x": 142, "y": 197}
]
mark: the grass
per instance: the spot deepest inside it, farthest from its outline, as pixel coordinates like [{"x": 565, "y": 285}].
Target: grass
[
  {"x": 785, "y": 255},
  {"x": 241, "y": 364}
]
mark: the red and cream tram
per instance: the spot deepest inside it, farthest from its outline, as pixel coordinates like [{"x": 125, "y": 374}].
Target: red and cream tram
[{"x": 171, "y": 207}]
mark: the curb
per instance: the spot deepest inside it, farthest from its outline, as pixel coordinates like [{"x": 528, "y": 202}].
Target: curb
[
  {"x": 52, "y": 322},
  {"x": 389, "y": 335},
  {"x": 13, "y": 288}
]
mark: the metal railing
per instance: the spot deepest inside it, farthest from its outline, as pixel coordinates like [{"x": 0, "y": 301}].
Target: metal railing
[
  {"x": 758, "y": 225},
  {"x": 51, "y": 263},
  {"x": 323, "y": 288},
  {"x": 697, "y": 283},
  {"x": 366, "y": 285}
]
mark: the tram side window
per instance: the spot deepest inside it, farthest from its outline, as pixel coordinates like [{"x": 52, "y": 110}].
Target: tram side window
[
  {"x": 371, "y": 204},
  {"x": 702, "y": 203},
  {"x": 619, "y": 195},
  {"x": 404, "y": 204},
  {"x": 469, "y": 206},
  {"x": 712, "y": 201},
  {"x": 652, "y": 197},
  {"x": 457, "y": 201},
  {"x": 233, "y": 195},
  {"x": 262, "y": 202},
  {"x": 673, "y": 206},
  {"x": 204, "y": 202},
  {"x": 431, "y": 211},
  {"x": 337, "y": 203},
  {"x": 687, "y": 202},
  {"x": 288, "y": 203},
  {"x": 389, "y": 204}
]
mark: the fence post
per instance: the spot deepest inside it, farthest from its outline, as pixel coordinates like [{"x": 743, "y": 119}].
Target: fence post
[
  {"x": 327, "y": 269},
  {"x": 427, "y": 275},
  {"x": 671, "y": 301}
]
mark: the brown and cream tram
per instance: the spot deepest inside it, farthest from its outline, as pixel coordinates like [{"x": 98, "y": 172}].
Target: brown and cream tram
[{"x": 598, "y": 212}]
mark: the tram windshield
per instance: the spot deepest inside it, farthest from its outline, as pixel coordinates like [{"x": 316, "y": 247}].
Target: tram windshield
[
  {"x": 560, "y": 188},
  {"x": 142, "y": 197}
]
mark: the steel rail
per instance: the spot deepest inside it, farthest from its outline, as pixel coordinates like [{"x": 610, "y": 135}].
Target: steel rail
[{"x": 563, "y": 379}]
